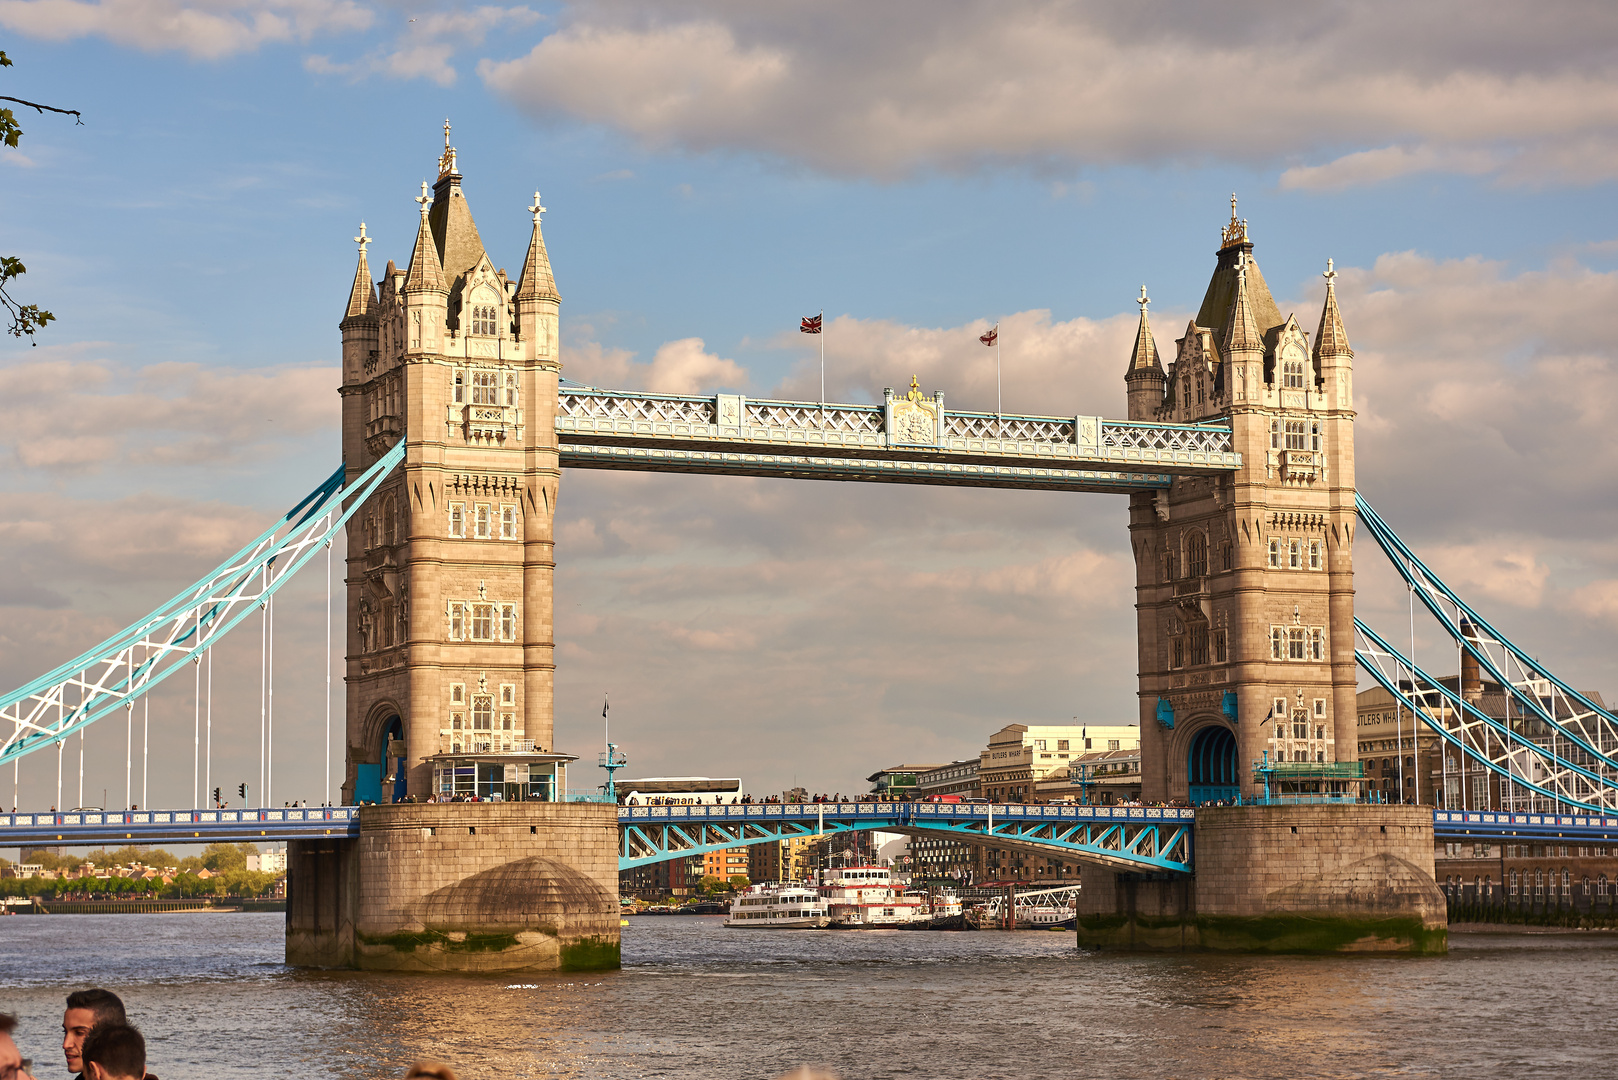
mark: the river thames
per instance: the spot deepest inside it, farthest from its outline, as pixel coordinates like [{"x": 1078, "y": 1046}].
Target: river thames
[{"x": 697, "y": 1000}]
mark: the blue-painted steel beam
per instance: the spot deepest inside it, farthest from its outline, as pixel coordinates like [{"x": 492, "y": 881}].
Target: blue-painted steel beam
[{"x": 1153, "y": 839}]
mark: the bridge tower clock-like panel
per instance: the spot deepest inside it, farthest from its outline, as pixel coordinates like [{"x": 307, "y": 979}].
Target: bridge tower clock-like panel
[
  {"x": 1245, "y": 582},
  {"x": 449, "y": 581}
]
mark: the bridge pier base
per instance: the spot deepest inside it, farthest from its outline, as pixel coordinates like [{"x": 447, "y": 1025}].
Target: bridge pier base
[
  {"x": 464, "y": 887},
  {"x": 1296, "y": 879}
]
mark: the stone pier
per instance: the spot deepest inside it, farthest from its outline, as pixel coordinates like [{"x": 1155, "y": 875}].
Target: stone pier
[
  {"x": 464, "y": 887},
  {"x": 1326, "y": 878}
]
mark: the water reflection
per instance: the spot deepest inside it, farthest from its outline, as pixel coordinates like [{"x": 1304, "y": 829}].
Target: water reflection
[{"x": 698, "y": 1000}]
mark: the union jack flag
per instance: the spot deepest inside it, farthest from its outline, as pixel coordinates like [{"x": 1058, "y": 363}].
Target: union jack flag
[{"x": 810, "y": 325}]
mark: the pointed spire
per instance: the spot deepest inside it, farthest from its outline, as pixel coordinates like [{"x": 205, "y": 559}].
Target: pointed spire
[
  {"x": 1331, "y": 339},
  {"x": 1241, "y": 328},
  {"x": 536, "y": 281},
  {"x": 426, "y": 273},
  {"x": 361, "y": 298},
  {"x": 1145, "y": 357}
]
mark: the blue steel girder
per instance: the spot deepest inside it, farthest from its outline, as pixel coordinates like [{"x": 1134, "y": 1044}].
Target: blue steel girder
[
  {"x": 730, "y": 434},
  {"x": 1148, "y": 839}
]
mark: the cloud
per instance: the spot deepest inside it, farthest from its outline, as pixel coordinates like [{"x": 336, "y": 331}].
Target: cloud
[
  {"x": 207, "y": 30},
  {"x": 426, "y": 45},
  {"x": 78, "y": 415},
  {"x": 889, "y": 90},
  {"x": 678, "y": 367}
]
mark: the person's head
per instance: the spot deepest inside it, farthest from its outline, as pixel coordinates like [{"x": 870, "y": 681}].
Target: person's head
[
  {"x": 10, "y": 1056},
  {"x": 430, "y": 1070},
  {"x": 114, "y": 1052},
  {"x": 86, "y": 1010}
]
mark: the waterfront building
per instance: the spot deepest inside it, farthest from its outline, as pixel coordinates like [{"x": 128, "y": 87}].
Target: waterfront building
[
  {"x": 1019, "y": 756},
  {"x": 1097, "y": 778},
  {"x": 781, "y": 860},
  {"x": 959, "y": 778}
]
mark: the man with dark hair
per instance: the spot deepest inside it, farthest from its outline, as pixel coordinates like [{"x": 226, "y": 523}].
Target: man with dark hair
[
  {"x": 87, "y": 1010},
  {"x": 10, "y": 1056},
  {"x": 114, "y": 1052}
]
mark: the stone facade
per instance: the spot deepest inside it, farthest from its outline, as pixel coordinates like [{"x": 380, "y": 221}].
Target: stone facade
[
  {"x": 1244, "y": 583},
  {"x": 460, "y": 887},
  {"x": 450, "y": 564},
  {"x": 1320, "y": 878}
]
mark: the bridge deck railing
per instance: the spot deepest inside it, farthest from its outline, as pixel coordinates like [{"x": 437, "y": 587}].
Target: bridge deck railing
[{"x": 920, "y": 810}]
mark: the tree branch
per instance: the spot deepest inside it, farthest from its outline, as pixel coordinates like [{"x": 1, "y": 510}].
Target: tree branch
[{"x": 42, "y": 108}]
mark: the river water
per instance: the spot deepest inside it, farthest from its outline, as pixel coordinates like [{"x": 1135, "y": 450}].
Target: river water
[{"x": 697, "y": 1000}]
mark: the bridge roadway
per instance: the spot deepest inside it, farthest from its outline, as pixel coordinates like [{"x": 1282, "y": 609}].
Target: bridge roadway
[{"x": 1145, "y": 839}]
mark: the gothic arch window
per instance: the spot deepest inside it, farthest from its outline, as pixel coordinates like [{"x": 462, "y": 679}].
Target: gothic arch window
[
  {"x": 484, "y": 320},
  {"x": 1196, "y": 554}
]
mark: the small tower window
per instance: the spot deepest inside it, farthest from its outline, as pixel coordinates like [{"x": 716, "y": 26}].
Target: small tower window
[
  {"x": 1275, "y": 433},
  {"x": 511, "y": 390},
  {"x": 1314, "y": 437},
  {"x": 1292, "y": 374},
  {"x": 508, "y": 522},
  {"x": 457, "y": 519},
  {"x": 481, "y": 521},
  {"x": 460, "y": 388},
  {"x": 484, "y": 321},
  {"x": 1314, "y": 554},
  {"x": 1196, "y": 554},
  {"x": 508, "y": 622}
]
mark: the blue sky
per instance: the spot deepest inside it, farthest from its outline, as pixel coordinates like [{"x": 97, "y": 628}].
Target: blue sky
[{"x": 713, "y": 172}]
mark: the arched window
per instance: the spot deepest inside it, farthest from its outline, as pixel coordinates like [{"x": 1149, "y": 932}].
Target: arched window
[
  {"x": 511, "y": 389},
  {"x": 485, "y": 320},
  {"x": 1292, "y": 374},
  {"x": 1196, "y": 554}
]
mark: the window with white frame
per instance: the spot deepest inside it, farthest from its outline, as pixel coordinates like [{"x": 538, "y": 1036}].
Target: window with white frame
[
  {"x": 1275, "y": 553},
  {"x": 457, "y": 621},
  {"x": 1320, "y": 706},
  {"x": 1292, "y": 374},
  {"x": 508, "y": 522},
  {"x": 508, "y": 693},
  {"x": 1294, "y": 555},
  {"x": 482, "y": 622},
  {"x": 1297, "y": 439},
  {"x": 483, "y": 320},
  {"x": 457, "y": 519},
  {"x": 1317, "y": 643},
  {"x": 460, "y": 388},
  {"x": 1314, "y": 554},
  {"x": 1295, "y": 642},
  {"x": 1278, "y": 707},
  {"x": 508, "y": 622},
  {"x": 511, "y": 389},
  {"x": 1275, "y": 434},
  {"x": 457, "y": 693},
  {"x": 1278, "y": 637},
  {"x": 481, "y": 521},
  {"x": 485, "y": 387},
  {"x": 482, "y": 712}
]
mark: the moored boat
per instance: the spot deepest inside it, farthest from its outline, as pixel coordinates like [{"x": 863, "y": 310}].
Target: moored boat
[{"x": 771, "y": 906}]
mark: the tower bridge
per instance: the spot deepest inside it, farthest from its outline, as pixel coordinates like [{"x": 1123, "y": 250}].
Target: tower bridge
[{"x": 1237, "y": 458}]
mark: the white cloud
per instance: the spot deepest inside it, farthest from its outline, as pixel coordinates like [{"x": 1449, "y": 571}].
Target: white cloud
[
  {"x": 74, "y": 415},
  {"x": 204, "y": 29},
  {"x": 426, "y": 45},
  {"x": 678, "y": 367},
  {"x": 887, "y": 90}
]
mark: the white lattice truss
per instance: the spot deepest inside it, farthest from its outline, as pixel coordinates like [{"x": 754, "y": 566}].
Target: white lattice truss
[
  {"x": 1111, "y": 455},
  {"x": 1553, "y": 746},
  {"x": 127, "y": 665}
]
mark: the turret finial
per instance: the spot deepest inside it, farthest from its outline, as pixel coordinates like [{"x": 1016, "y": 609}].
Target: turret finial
[
  {"x": 446, "y": 147},
  {"x": 446, "y": 164},
  {"x": 1330, "y": 275},
  {"x": 1144, "y": 300},
  {"x": 1236, "y": 231},
  {"x": 536, "y": 209},
  {"x": 362, "y": 239},
  {"x": 424, "y": 199}
]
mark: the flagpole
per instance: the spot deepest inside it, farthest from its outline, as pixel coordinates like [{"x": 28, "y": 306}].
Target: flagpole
[
  {"x": 823, "y": 368},
  {"x": 997, "y": 409}
]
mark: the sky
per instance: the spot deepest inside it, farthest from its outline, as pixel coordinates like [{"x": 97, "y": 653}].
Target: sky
[{"x": 716, "y": 170}]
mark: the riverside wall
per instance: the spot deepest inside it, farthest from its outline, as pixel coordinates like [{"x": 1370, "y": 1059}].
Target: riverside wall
[
  {"x": 464, "y": 887},
  {"x": 1327, "y": 878}
]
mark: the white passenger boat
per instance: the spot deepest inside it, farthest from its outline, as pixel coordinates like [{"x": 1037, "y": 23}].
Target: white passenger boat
[
  {"x": 867, "y": 897},
  {"x": 789, "y": 906}
]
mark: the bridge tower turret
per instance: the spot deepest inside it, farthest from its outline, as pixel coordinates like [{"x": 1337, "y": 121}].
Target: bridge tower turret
[
  {"x": 1244, "y": 583},
  {"x": 1145, "y": 377},
  {"x": 450, "y": 565}
]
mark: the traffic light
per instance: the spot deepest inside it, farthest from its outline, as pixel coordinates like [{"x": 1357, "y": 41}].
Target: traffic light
[
  {"x": 241, "y": 789},
  {"x": 216, "y": 796}
]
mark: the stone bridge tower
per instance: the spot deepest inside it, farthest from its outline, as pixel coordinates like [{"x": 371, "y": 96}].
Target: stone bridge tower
[
  {"x": 1245, "y": 583},
  {"x": 450, "y": 564}
]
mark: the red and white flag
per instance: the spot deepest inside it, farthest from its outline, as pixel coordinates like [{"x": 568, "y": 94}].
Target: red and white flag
[
  {"x": 992, "y": 336},
  {"x": 810, "y": 325}
]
